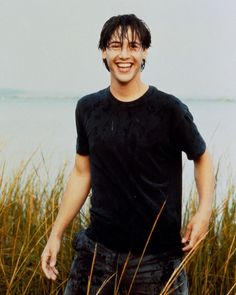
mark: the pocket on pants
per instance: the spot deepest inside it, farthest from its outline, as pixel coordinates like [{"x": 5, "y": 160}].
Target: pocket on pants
[
  {"x": 77, "y": 240},
  {"x": 81, "y": 241}
]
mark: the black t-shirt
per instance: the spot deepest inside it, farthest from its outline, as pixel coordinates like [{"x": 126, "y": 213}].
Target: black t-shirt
[{"x": 135, "y": 151}]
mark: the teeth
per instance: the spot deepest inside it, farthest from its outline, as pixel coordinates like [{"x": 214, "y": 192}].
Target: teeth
[{"x": 124, "y": 65}]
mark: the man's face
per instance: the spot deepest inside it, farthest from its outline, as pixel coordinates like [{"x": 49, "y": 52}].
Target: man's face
[{"x": 124, "y": 60}]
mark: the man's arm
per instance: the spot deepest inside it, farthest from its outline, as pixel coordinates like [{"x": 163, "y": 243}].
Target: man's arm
[
  {"x": 76, "y": 192},
  {"x": 198, "y": 225}
]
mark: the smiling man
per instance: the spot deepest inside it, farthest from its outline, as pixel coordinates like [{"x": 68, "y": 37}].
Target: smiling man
[{"x": 129, "y": 151}]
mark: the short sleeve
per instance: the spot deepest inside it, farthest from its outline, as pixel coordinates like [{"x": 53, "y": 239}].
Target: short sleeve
[
  {"x": 187, "y": 137},
  {"x": 82, "y": 145}
]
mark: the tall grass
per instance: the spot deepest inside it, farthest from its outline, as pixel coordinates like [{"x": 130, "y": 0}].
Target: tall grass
[
  {"x": 28, "y": 208},
  {"x": 212, "y": 270}
]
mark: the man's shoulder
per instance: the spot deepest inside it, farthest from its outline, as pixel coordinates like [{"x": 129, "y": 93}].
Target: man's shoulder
[
  {"x": 170, "y": 101},
  {"x": 91, "y": 99}
]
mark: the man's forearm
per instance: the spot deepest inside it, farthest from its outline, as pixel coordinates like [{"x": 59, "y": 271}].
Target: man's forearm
[
  {"x": 76, "y": 192},
  {"x": 198, "y": 225},
  {"x": 205, "y": 182}
]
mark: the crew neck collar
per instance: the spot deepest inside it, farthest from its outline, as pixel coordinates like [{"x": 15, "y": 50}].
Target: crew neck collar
[{"x": 136, "y": 101}]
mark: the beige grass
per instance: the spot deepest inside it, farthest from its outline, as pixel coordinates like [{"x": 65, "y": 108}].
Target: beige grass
[{"x": 28, "y": 208}]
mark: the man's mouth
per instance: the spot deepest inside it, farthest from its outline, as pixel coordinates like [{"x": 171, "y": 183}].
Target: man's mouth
[{"x": 124, "y": 67}]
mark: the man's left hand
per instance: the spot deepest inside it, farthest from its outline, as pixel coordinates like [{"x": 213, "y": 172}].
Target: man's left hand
[{"x": 196, "y": 230}]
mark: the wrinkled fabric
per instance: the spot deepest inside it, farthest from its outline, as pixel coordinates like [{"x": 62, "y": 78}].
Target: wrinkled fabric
[{"x": 151, "y": 277}]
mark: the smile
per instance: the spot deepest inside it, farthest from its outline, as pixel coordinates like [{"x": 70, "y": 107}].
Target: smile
[{"x": 124, "y": 65}]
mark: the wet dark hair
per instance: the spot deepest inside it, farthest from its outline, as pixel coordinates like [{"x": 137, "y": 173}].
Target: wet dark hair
[{"x": 124, "y": 22}]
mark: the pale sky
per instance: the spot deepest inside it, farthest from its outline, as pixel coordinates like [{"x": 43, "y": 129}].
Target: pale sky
[{"x": 51, "y": 45}]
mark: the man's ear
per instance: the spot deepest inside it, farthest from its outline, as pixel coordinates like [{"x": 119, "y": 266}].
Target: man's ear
[
  {"x": 145, "y": 54},
  {"x": 104, "y": 54}
]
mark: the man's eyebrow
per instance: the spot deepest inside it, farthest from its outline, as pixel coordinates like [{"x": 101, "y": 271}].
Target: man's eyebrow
[
  {"x": 135, "y": 42},
  {"x": 119, "y": 42},
  {"x": 114, "y": 41}
]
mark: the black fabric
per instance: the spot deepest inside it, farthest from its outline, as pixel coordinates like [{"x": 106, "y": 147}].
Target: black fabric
[
  {"x": 135, "y": 151},
  {"x": 153, "y": 272}
]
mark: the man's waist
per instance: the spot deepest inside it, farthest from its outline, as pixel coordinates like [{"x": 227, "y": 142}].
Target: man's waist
[{"x": 124, "y": 241}]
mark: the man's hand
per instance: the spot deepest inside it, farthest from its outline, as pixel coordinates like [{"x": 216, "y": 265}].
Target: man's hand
[
  {"x": 49, "y": 258},
  {"x": 196, "y": 230},
  {"x": 197, "y": 227}
]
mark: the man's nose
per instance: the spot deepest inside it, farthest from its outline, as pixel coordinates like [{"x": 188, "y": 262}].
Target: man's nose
[{"x": 124, "y": 52}]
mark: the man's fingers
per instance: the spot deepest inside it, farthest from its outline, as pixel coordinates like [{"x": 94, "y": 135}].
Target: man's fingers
[
  {"x": 53, "y": 260},
  {"x": 53, "y": 274},
  {"x": 194, "y": 237},
  {"x": 188, "y": 245},
  {"x": 55, "y": 271},
  {"x": 196, "y": 231},
  {"x": 189, "y": 238},
  {"x": 187, "y": 235},
  {"x": 46, "y": 268},
  {"x": 187, "y": 248},
  {"x": 48, "y": 263},
  {"x": 45, "y": 258},
  {"x": 49, "y": 258}
]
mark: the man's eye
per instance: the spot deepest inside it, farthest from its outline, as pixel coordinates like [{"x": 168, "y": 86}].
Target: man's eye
[
  {"x": 115, "y": 46},
  {"x": 134, "y": 46}
]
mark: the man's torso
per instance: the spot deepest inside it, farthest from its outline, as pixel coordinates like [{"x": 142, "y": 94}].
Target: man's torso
[{"x": 136, "y": 167}]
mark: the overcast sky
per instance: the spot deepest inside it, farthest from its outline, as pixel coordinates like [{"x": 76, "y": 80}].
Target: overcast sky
[{"x": 51, "y": 45}]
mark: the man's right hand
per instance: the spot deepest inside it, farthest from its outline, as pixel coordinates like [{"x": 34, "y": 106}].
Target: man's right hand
[
  {"x": 49, "y": 258},
  {"x": 76, "y": 192}
]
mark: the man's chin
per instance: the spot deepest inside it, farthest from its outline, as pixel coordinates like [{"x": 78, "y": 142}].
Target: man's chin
[{"x": 123, "y": 78}]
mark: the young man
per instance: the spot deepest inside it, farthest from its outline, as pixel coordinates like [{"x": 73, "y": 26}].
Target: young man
[{"x": 130, "y": 139}]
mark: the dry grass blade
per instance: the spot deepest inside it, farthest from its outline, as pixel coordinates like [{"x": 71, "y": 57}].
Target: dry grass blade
[
  {"x": 15, "y": 269},
  {"x": 31, "y": 278},
  {"x": 230, "y": 254},
  {"x": 91, "y": 271},
  {"x": 122, "y": 273},
  {"x": 1, "y": 178},
  {"x": 4, "y": 273},
  {"x": 145, "y": 247},
  {"x": 231, "y": 290},
  {"x": 104, "y": 283},
  {"x": 177, "y": 271}
]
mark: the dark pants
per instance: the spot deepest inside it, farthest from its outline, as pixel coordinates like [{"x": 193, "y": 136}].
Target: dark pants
[{"x": 112, "y": 271}]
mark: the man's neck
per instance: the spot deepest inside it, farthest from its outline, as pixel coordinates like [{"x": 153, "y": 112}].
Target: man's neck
[{"x": 128, "y": 92}]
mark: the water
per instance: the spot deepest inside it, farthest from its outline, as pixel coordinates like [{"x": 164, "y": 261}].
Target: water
[
  {"x": 216, "y": 121},
  {"x": 47, "y": 125}
]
